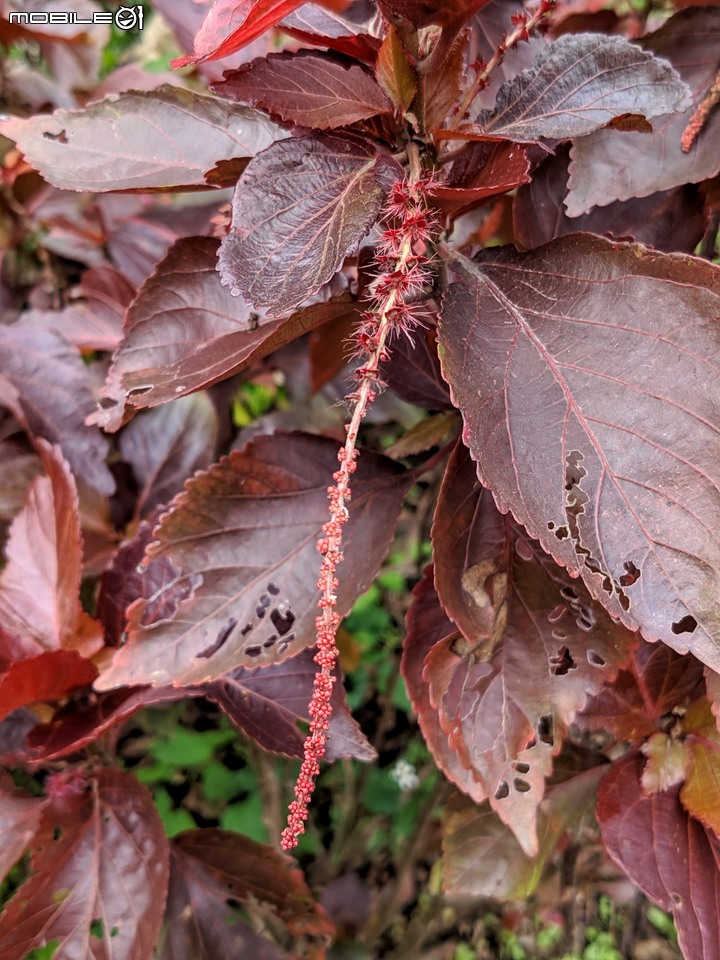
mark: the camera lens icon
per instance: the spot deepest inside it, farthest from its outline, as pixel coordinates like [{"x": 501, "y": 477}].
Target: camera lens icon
[{"x": 127, "y": 18}]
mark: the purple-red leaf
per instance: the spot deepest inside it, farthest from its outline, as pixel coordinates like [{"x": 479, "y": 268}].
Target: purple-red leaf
[
  {"x": 656, "y": 682},
  {"x": 99, "y": 875},
  {"x": 611, "y": 165},
  {"x": 482, "y": 170},
  {"x": 299, "y": 209},
  {"x": 166, "y": 138},
  {"x": 19, "y": 819},
  {"x": 356, "y": 32},
  {"x": 40, "y": 607},
  {"x": 665, "y": 852},
  {"x": 266, "y": 704},
  {"x": 533, "y": 648},
  {"x": 593, "y": 419},
  {"x": 413, "y": 371},
  {"x": 257, "y": 17},
  {"x": 310, "y": 89},
  {"x": 166, "y": 446},
  {"x": 243, "y": 537},
  {"x": 47, "y": 387},
  {"x": 580, "y": 83},
  {"x": 672, "y": 220},
  {"x": 422, "y": 13},
  {"x": 185, "y": 332},
  {"x": 47, "y": 676},
  {"x": 213, "y": 874}
]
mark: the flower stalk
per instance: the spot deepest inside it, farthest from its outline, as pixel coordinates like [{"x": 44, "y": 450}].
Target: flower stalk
[{"x": 395, "y": 298}]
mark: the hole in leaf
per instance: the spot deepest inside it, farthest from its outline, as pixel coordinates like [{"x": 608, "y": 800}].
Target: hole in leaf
[
  {"x": 559, "y": 635},
  {"x": 282, "y": 646},
  {"x": 253, "y": 651},
  {"x": 562, "y": 533},
  {"x": 521, "y": 766},
  {"x": 607, "y": 586},
  {"x": 677, "y": 899},
  {"x": 631, "y": 576},
  {"x": 562, "y": 663},
  {"x": 139, "y": 391},
  {"x": 273, "y": 589},
  {"x": 545, "y": 729},
  {"x": 557, "y": 613},
  {"x": 106, "y": 403},
  {"x": 270, "y": 641},
  {"x": 586, "y": 625},
  {"x": 246, "y": 630},
  {"x": 221, "y": 639},
  {"x": 594, "y": 659},
  {"x": 522, "y": 786},
  {"x": 61, "y": 137},
  {"x": 97, "y": 929},
  {"x": 282, "y": 618},
  {"x": 57, "y": 833},
  {"x": 259, "y": 612},
  {"x": 686, "y": 625},
  {"x": 502, "y": 791},
  {"x": 567, "y": 593},
  {"x": 265, "y": 601}
]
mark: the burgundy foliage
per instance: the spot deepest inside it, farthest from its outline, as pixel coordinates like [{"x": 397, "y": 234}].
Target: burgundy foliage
[{"x": 504, "y": 227}]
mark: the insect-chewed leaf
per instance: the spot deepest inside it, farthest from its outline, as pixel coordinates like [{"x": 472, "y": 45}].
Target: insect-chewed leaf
[
  {"x": 243, "y": 537},
  {"x": 99, "y": 872},
  {"x": 666, "y": 852},
  {"x": 612, "y": 165},
  {"x": 311, "y": 89},
  {"x": 534, "y": 647},
  {"x": 169, "y": 137},
  {"x": 587, "y": 376},
  {"x": 299, "y": 209},
  {"x": 578, "y": 84}
]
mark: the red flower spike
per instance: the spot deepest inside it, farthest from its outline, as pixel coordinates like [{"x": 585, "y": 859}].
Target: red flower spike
[{"x": 402, "y": 275}]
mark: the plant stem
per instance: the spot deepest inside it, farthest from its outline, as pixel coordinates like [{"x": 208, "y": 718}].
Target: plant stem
[{"x": 524, "y": 27}]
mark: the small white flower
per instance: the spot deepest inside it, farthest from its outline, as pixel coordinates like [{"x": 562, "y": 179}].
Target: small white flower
[{"x": 404, "y": 775}]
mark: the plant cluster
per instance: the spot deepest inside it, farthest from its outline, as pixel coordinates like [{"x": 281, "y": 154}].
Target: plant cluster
[{"x": 494, "y": 211}]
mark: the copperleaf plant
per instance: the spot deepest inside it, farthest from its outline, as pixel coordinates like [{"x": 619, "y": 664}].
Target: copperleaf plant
[{"x": 415, "y": 172}]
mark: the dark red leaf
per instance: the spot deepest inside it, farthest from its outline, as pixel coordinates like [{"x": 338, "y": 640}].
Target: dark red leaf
[
  {"x": 215, "y": 872},
  {"x": 47, "y": 387},
  {"x": 588, "y": 422},
  {"x": 47, "y": 676},
  {"x": 252, "y": 594},
  {"x": 580, "y": 83},
  {"x": 656, "y": 682},
  {"x": 167, "y": 445},
  {"x": 127, "y": 578},
  {"x": 394, "y": 73},
  {"x": 441, "y": 87},
  {"x": 299, "y": 209},
  {"x": 428, "y": 625},
  {"x": 481, "y": 171},
  {"x": 421, "y": 13},
  {"x": 670, "y": 220},
  {"x": 665, "y": 852},
  {"x": 356, "y": 32},
  {"x": 170, "y": 137},
  {"x": 310, "y": 89},
  {"x": 99, "y": 875},
  {"x": 413, "y": 372},
  {"x": 81, "y": 722},
  {"x": 266, "y": 704},
  {"x": 611, "y": 165},
  {"x": 258, "y": 16},
  {"x": 40, "y": 608},
  {"x": 19, "y": 819},
  {"x": 534, "y": 648},
  {"x": 185, "y": 332}
]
